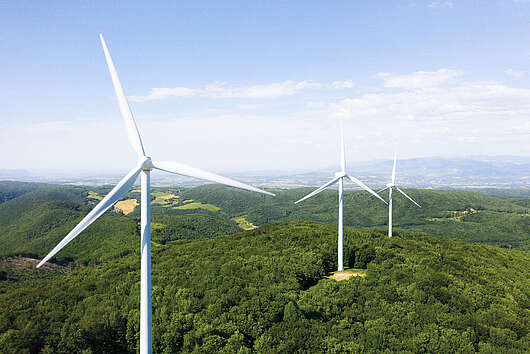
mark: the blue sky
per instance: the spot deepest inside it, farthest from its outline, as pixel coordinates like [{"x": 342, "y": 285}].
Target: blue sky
[{"x": 260, "y": 85}]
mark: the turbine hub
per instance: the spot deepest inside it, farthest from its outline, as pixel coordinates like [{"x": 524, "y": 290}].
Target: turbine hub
[
  {"x": 147, "y": 164},
  {"x": 340, "y": 174},
  {"x": 390, "y": 184}
]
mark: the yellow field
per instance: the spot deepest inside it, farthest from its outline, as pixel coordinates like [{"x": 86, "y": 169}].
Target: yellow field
[
  {"x": 196, "y": 205},
  {"x": 126, "y": 206},
  {"x": 165, "y": 199},
  {"x": 244, "y": 224},
  {"x": 94, "y": 195}
]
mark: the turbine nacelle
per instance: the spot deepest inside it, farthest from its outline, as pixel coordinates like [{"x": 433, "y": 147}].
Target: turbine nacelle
[
  {"x": 390, "y": 185},
  {"x": 147, "y": 164},
  {"x": 341, "y": 174}
]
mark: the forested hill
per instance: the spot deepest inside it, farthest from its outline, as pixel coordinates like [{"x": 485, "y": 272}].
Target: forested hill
[
  {"x": 266, "y": 290},
  {"x": 37, "y": 216},
  {"x": 495, "y": 220},
  {"x": 11, "y": 189},
  {"x": 35, "y": 221}
]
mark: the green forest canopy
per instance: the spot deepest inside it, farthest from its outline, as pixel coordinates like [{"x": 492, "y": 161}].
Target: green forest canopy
[{"x": 266, "y": 290}]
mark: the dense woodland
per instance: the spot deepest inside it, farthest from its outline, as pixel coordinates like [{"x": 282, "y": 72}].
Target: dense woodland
[
  {"x": 496, "y": 220},
  {"x": 217, "y": 288}
]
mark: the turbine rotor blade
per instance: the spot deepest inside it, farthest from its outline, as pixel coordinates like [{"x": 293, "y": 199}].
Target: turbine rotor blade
[
  {"x": 342, "y": 155},
  {"x": 130, "y": 124},
  {"x": 394, "y": 170},
  {"x": 185, "y": 170},
  {"x": 365, "y": 187},
  {"x": 409, "y": 198},
  {"x": 319, "y": 189},
  {"x": 114, "y": 195},
  {"x": 382, "y": 190}
]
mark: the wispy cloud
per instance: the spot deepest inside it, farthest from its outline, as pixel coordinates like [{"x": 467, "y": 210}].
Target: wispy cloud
[
  {"x": 437, "y": 95},
  {"x": 421, "y": 113},
  {"x": 161, "y": 93},
  {"x": 419, "y": 79},
  {"x": 223, "y": 90},
  {"x": 514, "y": 73}
]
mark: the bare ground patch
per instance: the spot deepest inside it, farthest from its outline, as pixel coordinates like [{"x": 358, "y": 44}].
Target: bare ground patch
[
  {"x": 244, "y": 224},
  {"x": 346, "y": 274},
  {"x": 31, "y": 263}
]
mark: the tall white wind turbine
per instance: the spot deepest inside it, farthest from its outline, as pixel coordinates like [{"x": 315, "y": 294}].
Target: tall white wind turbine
[
  {"x": 339, "y": 176},
  {"x": 390, "y": 187},
  {"x": 142, "y": 168}
]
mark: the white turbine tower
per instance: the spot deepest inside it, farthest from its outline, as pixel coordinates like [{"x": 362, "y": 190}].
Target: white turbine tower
[
  {"x": 390, "y": 187},
  {"x": 339, "y": 176},
  {"x": 142, "y": 168}
]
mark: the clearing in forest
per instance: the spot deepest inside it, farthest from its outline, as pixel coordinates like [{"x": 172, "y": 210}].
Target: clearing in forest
[
  {"x": 126, "y": 206},
  {"x": 244, "y": 224},
  {"x": 347, "y": 274},
  {"x": 30, "y": 263},
  {"x": 166, "y": 199}
]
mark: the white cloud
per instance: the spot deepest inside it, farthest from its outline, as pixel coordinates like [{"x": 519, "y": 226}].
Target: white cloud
[
  {"x": 342, "y": 84},
  {"x": 514, "y": 73},
  {"x": 223, "y": 90},
  {"x": 442, "y": 117},
  {"x": 274, "y": 90},
  {"x": 419, "y": 79},
  {"x": 464, "y": 100},
  {"x": 440, "y": 94},
  {"x": 161, "y": 93}
]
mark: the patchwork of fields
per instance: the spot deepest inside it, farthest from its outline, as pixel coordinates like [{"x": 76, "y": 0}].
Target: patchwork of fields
[{"x": 501, "y": 221}]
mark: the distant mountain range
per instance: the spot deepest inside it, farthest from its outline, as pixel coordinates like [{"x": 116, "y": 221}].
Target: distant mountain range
[
  {"x": 434, "y": 172},
  {"x": 439, "y": 172},
  {"x": 507, "y": 172}
]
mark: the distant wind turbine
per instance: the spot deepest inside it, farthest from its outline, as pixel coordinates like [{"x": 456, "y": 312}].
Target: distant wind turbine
[
  {"x": 390, "y": 187},
  {"x": 339, "y": 176},
  {"x": 142, "y": 168}
]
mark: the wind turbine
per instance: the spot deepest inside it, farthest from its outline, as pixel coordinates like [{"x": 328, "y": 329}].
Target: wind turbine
[
  {"x": 339, "y": 176},
  {"x": 142, "y": 168},
  {"x": 390, "y": 187}
]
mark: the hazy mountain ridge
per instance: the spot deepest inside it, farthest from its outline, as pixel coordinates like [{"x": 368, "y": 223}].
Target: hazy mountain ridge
[{"x": 432, "y": 172}]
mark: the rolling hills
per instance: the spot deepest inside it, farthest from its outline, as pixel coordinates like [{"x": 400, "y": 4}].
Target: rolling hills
[
  {"x": 217, "y": 288},
  {"x": 496, "y": 220}
]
